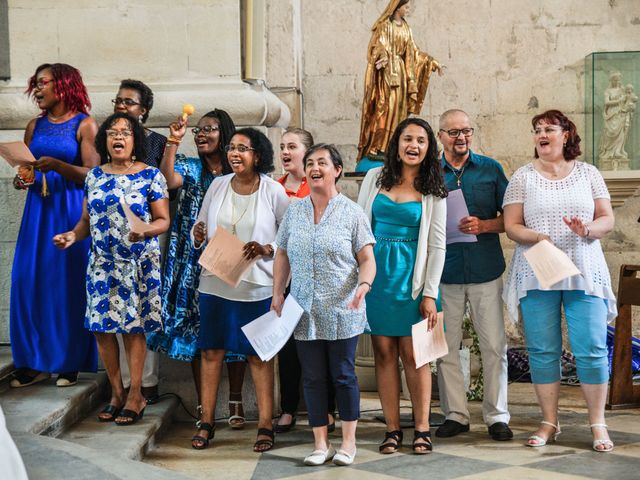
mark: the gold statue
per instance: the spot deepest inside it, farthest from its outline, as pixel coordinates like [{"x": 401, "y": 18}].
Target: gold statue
[{"x": 396, "y": 80}]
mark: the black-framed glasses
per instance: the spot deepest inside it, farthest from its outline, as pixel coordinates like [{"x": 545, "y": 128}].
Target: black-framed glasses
[
  {"x": 124, "y": 101},
  {"x": 43, "y": 82},
  {"x": 119, "y": 133},
  {"x": 239, "y": 148},
  {"x": 455, "y": 132},
  {"x": 207, "y": 129}
]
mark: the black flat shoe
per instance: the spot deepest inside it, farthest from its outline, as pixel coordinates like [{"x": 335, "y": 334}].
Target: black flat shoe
[
  {"x": 285, "y": 428},
  {"x": 500, "y": 432},
  {"x": 67, "y": 379},
  {"x": 451, "y": 428},
  {"x": 129, "y": 414}
]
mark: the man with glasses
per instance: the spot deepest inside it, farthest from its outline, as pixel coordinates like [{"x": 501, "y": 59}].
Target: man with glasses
[{"x": 473, "y": 273}]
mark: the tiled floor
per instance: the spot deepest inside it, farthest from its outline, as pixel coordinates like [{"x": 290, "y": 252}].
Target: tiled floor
[{"x": 469, "y": 456}]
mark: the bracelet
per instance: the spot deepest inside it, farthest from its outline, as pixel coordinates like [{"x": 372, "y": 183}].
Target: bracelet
[
  {"x": 588, "y": 232},
  {"x": 173, "y": 141},
  {"x": 365, "y": 283},
  {"x": 271, "y": 251}
]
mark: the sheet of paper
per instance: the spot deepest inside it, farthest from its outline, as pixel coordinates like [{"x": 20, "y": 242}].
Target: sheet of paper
[
  {"x": 428, "y": 345},
  {"x": 550, "y": 264},
  {"x": 268, "y": 333},
  {"x": 456, "y": 211},
  {"x": 225, "y": 258},
  {"x": 16, "y": 153},
  {"x": 136, "y": 224}
]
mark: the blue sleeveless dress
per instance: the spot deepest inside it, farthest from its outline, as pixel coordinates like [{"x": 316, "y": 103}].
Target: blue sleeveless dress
[
  {"x": 390, "y": 309},
  {"x": 48, "y": 298}
]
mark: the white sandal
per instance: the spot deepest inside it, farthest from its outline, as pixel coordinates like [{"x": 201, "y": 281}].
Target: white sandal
[
  {"x": 236, "y": 421},
  {"x": 607, "y": 443},
  {"x": 540, "y": 441}
]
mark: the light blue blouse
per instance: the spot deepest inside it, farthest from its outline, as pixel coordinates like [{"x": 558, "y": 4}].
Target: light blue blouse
[{"x": 324, "y": 268}]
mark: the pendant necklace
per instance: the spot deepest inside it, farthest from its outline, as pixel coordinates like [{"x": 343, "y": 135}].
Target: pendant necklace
[
  {"x": 458, "y": 173},
  {"x": 233, "y": 207}
]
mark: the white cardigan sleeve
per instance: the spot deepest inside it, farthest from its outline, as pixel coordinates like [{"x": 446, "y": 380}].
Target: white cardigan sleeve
[{"x": 436, "y": 247}]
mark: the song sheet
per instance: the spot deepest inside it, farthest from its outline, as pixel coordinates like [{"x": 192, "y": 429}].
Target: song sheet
[
  {"x": 16, "y": 154},
  {"x": 550, "y": 265},
  {"x": 428, "y": 345},
  {"x": 224, "y": 257},
  {"x": 268, "y": 333},
  {"x": 136, "y": 224},
  {"x": 456, "y": 211}
]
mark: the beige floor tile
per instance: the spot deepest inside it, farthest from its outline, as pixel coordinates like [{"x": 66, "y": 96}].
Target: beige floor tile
[{"x": 521, "y": 473}]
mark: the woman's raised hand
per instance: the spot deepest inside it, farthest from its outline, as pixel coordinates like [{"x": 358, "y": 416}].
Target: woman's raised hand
[
  {"x": 178, "y": 129},
  {"x": 64, "y": 240}
]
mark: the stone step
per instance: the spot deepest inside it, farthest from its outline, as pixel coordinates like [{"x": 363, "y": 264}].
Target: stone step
[
  {"x": 6, "y": 362},
  {"x": 52, "y": 458},
  {"x": 132, "y": 441},
  {"x": 44, "y": 409}
]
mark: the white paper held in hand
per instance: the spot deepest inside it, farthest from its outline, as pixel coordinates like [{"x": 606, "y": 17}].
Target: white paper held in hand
[
  {"x": 456, "y": 211},
  {"x": 550, "y": 265},
  {"x": 136, "y": 224},
  {"x": 428, "y": 345},
  {"x": 16, "y": 154},
  {"x": 268, "y": 333}
]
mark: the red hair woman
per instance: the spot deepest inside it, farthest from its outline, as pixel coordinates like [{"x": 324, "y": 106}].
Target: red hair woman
[{"x": 47, "y": 287}]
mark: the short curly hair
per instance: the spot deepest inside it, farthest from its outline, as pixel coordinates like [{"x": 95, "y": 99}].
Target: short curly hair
[
  {"x": 139, "y": 137},
  {"x": 571, "y": 149},
  {"x": 146, "y": 95},
  {"x": 262, "y": 148}
]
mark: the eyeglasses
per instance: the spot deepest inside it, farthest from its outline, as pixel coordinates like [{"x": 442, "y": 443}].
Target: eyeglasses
[
  {"x": 207, "y": 129},
  {"x": 119, "y": 133},
  {"x": 546, "y": 130},
  {"x": 239, "y": 148},
  {"x": 40, "y": 84},
  {"x": 124, "y": 101},
  {"x": 455, "y": 132}
]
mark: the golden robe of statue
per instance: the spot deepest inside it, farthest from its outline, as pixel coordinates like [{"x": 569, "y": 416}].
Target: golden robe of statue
[{"x": 395, "y": 83}]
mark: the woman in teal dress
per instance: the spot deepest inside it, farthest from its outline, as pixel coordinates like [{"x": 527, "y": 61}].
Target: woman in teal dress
[{"x": 405, "y": 202}]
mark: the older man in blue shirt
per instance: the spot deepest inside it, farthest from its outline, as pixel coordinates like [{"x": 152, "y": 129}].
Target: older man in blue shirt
[{"x": 473, "y": 273}]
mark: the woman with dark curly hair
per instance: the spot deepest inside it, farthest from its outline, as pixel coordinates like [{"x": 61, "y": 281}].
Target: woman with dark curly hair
[
  {"x": 46, "y": 323},
  {"x": 136, "y": 98},
  {"x": 562, "y": 200},
  {"x": 123, "y": 276},
  {"x": 250, "y": 205},
  {"x": 405, "y": 202}
]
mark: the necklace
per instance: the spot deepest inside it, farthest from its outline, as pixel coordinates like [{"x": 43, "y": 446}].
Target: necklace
[
  {"x": 233, "y": 206},
  {"x": 54, "y": 119},
  {"x": 113, "y": 170},
  {"x": 459, "y": 173}
]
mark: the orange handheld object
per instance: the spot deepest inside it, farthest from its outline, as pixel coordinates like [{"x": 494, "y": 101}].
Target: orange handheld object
[{"x": 187, "y": 109}]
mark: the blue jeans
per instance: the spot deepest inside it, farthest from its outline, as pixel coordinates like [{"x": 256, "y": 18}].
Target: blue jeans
[
  {"x": 586, "y": 318},
  {"x": 323, "y": 361}
]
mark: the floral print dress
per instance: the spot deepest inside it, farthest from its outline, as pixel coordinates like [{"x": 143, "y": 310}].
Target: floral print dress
[{"x": 123, "y": 277}]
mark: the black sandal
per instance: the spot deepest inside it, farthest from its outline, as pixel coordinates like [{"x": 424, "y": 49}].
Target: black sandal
[
  {"x": 395, "y": 435},
  {"x": 422, "y": 448},
  {"x": 203, "y": 442},
  {"x": 266, "y": 442},
  {"x": 132, "y": 417},
  {"x": 109, "y": 410}
]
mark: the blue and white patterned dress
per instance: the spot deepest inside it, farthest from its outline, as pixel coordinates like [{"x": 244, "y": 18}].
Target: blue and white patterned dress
[
  {"x": 123, "y": 277},
  {"x": 324, "y": 267}
]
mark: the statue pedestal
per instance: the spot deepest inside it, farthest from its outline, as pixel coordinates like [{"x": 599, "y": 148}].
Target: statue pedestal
[{"x": 617, "y": 163}]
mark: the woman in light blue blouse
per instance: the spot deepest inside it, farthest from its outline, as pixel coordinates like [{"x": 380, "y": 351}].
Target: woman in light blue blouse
[{"x": 325, "y": 243}]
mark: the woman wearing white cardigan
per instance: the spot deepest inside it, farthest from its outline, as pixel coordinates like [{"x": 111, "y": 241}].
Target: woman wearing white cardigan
[
  {"x": 405, "y": 202},
  {"x": 251, "y": 206}
]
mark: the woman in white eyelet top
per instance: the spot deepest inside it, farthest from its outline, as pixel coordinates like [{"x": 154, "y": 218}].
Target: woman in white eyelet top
[{"x": 545, "y": 201}]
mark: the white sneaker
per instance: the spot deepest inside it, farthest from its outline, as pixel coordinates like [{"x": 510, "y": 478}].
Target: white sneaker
[
  {"x": 319, "y": 457},
  {"x": 344, "y": 458}
]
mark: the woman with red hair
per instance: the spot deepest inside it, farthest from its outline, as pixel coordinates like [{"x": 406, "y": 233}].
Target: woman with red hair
[{"x": 47, "y": 286}]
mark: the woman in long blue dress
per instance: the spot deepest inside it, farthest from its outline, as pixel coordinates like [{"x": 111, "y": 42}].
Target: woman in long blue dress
[
  {"x": 405, "y": 201},
  {"x": 46, "y": 323},
  {"x": 181, "y": 272},
  {"x": 123, "y": 277}
]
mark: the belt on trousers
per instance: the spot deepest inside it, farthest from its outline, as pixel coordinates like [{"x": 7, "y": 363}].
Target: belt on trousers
[{"x": 396, "y": 239}]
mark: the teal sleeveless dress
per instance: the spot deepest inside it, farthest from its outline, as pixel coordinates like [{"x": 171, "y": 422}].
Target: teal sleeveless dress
[{"x": 390, "y": 309}]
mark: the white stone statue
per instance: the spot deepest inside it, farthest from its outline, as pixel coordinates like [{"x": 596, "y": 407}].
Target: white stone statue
[{"x": 619, "y": 107}]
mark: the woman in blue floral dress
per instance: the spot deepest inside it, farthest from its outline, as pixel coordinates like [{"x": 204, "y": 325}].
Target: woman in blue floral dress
[
  {"x": 181, "y": 271},
  {"x": 123, "y": 276}
]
